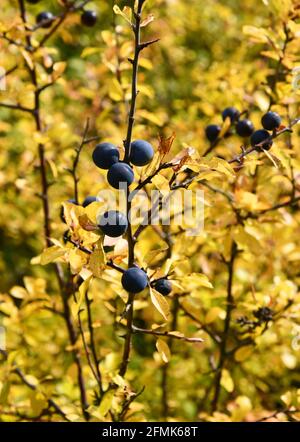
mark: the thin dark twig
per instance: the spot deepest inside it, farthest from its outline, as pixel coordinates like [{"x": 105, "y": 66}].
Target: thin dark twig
[
  {"x": 286, "y": 411},
  {"x": 215, "y": 337},
  {"x": 14, "y": 42},
  {"x": 165, "y": 367},
  {"x": 134, "y": 81},
  {"x": 17, "y": 107},
  {"x": 73, "y": 171},
  {"x": 239, "y": 158},
  {"x": 47, "y": 226},
  {"x": 150, "y": 177},
  {"x": 109, "y": 263},
  {"x": 33, "y": 387},
  {"x": 165, "y": 334},
  {"x": 88, "y": 355},
  {"x": 127, "y": 145},
  {"x": 9, "y": 71},
  {"x": 128, "y": 402},
  {"x": 88, "y": 303},
  {"x": 223, "y": 343},
  {"x": 290, "y": 202}
]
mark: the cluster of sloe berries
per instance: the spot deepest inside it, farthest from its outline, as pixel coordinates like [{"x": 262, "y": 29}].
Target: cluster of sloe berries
[
  {"x": 114, "y": 223},
  {"x": 107, "y": 156},
  {"x": 46, "y": 18},
  {"x": 245, "y": 128}
]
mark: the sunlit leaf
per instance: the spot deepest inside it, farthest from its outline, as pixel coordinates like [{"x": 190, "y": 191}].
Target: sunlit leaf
[
  {"x": 163, "y": 350},
  {"x": 160, "y": 303},
  {"x": 51, "y": 254}
]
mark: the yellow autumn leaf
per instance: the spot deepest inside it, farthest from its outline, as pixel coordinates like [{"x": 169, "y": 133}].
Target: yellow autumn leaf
[
  {"x": 147, "y": 20},
  {"x": 115, "y": 90},
  {"x": 176, "y": 333},
  {"x": 212, "y": 314},
  {"x": 146, "y": 63},
  {"x": 153, "y": 118},
  {"x": 40, "y": 138},
  {"x": 86, "y": 223},
  {"x": 37, "y": 402},
  {"x": 287, "y": 397},
  {"x": 89, "y": 51},
  {"x": 5, "y": 388},
  {"x": 246, "y": 200},
  {"x": 160, "y": 303},
  {"x": 51, "y": 254},
  {"x": 243, "y": 353},
  {"x": 161, "y": 182},
  {"x": 76, "y": 260},
  {"x": 58, "y": 69},
  {"x": 246, "y": 241},
  {"x": 225, "y": 127},
  {"x": 82, "y": 291},
  {"x": 32, "y": 380},
  {"x": 163, "y": 350},
  {"x": 27, "y": 57},
  {"x": 222, "y": 166},
  {"x": 194, "y": 280},
  {"x": 97, "y": 261},
  {"x": 227, "y": 381},
  {"x": 152, "y": 167},
  {"x": 125, "y": 13},
  {"x": 18, "y": 292},
  {"x": 258, "y": 35},
  {"x": 71, "y": 214},
  {"x": 106, "y": 402}
]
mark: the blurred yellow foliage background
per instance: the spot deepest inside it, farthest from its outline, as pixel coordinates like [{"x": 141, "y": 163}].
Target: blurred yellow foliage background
[{"x": 210, "y": 55}]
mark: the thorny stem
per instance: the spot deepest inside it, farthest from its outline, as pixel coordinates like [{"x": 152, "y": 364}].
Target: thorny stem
[
  {"x": 135, "y": 66},
  {"x": 127, "y": 143}
]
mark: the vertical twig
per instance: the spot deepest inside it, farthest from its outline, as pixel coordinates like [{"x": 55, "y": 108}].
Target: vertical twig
[
  {"x": 92, "y": 341},
  {"x": 165, "y": 367},
  {"x": 127, "y": 143},
  {"x": 135, "y": 66},
  {"x": 223, "y": 344},
  {"x": 47, "y": 226},
  {"x": 87, "y": 353},
  {"x": 73, "y": 171}
]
